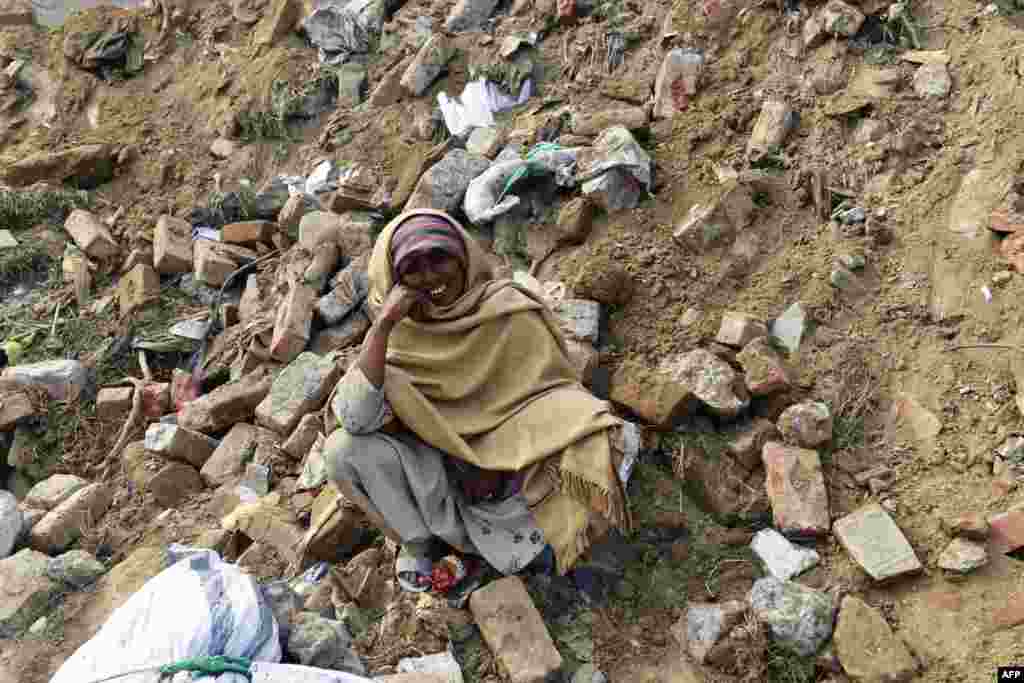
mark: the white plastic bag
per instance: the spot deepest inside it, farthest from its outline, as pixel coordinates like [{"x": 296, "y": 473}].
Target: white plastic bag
[
  {"x": 199, "y": 606},
  {"x": 476, "y": 107}
]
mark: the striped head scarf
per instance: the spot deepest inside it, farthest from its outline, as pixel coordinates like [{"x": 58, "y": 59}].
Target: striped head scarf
[{"x": 420, "y": 233}]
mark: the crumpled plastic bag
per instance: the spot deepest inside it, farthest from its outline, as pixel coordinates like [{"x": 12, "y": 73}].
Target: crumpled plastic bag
[
  {"x": 617, "y": 168},
  {"x": 342, "y": 28},
  {"x": 476, "y": 106},
  {"x": 199, "y": 606},
  {"x": 489, "y": 194}
]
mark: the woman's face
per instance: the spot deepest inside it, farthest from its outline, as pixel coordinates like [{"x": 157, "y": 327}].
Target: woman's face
[{"x": 435, "y": 273}]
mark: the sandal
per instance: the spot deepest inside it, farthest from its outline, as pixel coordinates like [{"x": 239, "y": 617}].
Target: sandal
[{"x": 413, "y": 572}]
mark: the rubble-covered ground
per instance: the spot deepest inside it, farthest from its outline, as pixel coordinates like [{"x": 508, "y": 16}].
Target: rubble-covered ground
[{"x": 787, "y": 239}]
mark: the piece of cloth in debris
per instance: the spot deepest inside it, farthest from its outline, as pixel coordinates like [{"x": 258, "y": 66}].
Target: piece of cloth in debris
[{"x": 488, "y": 380}]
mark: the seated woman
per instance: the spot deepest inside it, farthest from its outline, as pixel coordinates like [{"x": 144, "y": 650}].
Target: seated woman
[{"x": 463, "y": 420}]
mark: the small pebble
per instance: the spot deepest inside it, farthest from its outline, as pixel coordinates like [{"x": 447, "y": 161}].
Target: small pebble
[
  {"x": 840, "y": 278},
  {"x": 854, "y": 215},
  {"x": 889, "y": 504},
  {"x": 853, "y": 261},
  {"x": 38, "y": 626}
]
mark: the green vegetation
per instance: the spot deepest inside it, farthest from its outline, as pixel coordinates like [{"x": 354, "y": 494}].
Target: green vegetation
[
  {"x": 785, "y": 666},
  {"x": 23, "y": 209},
  {"x": 285, "y": 104},
  {"x": 18, "y": 264},
  {"x": 901, "y": 28}
]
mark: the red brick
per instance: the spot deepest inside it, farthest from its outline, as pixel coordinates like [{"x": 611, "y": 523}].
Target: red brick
[{"x": 1007, "y": 530}]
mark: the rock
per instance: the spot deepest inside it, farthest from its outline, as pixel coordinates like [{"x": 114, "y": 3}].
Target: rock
[
  {"x": 841, "y": 19},
  {"x": 712, "y": 381},
  {"x": 469, "y": 15},
  {"x": 390, "y": 90},
  {"x": 236, "y": 450},
  {"x": 485, "y": 142},
  {"x": 744, "y": 441},
  {"x": 719, "y": 484},
  {"x": 963, "y": 556},
  {"x": 704, "y": 624},
  {"x": 866, "y": 646},
  {"x": 971, "y": 526},
  {"x": 1007, "y": 530},
  {"x": 64, "y": 524},
  {"x": 430, "y": 62},
  {"x": 444, "y": 184},
  {"x": 579, "y": 319},
  {"x": 264, "y": 521},
  {"x": 590, "y": 123},
  {"x": 814, "y": 33},
  {"x": 11, "y": 522},
  {"x": 301, "y": 388},
  {"x": 27, "y": 591},
  {"x": 278, "y": 21},
  {"x": 783, "y": 559},
  {"x": 323, "y": 265},
  {"x": 654, "y": 395},
  {"x": 799, "y": 618},
  {"x": 222, "y": 148},
  {"x": 349, "y": 333},
  {"x": 292, "y": 213},
  {"x": 14, "y": 408},
  {"x": 257, "y": 478},
  {"x": 301, "y": 440},
  {"x": 226, "y": 405},
  {"x": 91, "y": 235},
  {"x": 773, "y": 126},
  {"x": 351, "y": 84},
  {"x": 875, "y": 543},
  {"x": 789, "y": 328},
  {"x": 515, "y": 632},
  {"x": 718, "y": 221},
  {"x": 114, "y": 403},
  {"x": 870, "y": 130},
  {"x": 214, "y": 262},
  {"x": 359, "y": 189},
  {"x": 15, "y": 13},
  {"x": 248, "y": 232},
  {"x": 86, "y": 167},
  {"x": 156, "y": 399},
  {"x": 796, "y": 489},
  {"x": 177, "y": 443},
  {"x": 137, "y": 288},
  {"x": 807, "y": 424},
  {"x": 76, "y": 568},
  {"x": 765, "y": 371},
  {"x": 54, "y": 490},
  {"x": 351, "y": 287},
  {"x": 676, "y": 82},
  {"x": 932, "y": 81},
  {"x": 323, "y": 643},
  {"x": 293, "y": 327},
  {"x": 738, "y": 329},
  {"x": 1012, "y": 249},
  {"x": 174, "y": 483},
  {"x": 575, "y": 220},
  {"x": 285, "y": 603},
  {"x": 172, "y": 245}
]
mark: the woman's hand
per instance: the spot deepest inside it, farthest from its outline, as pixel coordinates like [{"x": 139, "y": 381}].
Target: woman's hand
[{"x": 399, "y": 303}]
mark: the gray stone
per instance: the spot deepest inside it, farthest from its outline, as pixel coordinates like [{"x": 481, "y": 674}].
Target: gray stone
[
  {"x": 285, "y": 603},
  {"x": 874, "y": 541},
  {"x": 7, "y": 240},
  {"x": 27, "y": 591},
  {"x": 932, "y": 81},
  {"x": 704, "y": 624},
  {"x": 76, "y": 568},
  {"x": 351, "y": 286},
  {"x": 302, "y": 439},
  {"x": 301, "y": 388},
  {"x": 867, "y": 648},
  {"x": 783, "y": 559},
  {"x": 963, "y": 556},
  {"x": 64, "y": 524},
  {"x": 349, "y": 333},
  {"x": 580, "y": 318},
  {"x": 10, "y": 522},
  {"x": 351, "y": 84},
  {"x": 841, "y": 278},
  {"x": 712, "y": 381},
  {"x": 1012, "y": 450},
  {"x": 442, "y": 664},
  {"x": 236, "y": 450},
  {"x": 430, "y": 62},
  {"x": 324, "y": 643},
  {"x": 798, "y": 617},
  {"x": 177, "y": 443},
  {"x": 469, "y": 15},
  {"x": 29, "y": 518},
  {"x": 789, "y": 328},
  {"x": 444, "y": 184},
  {"x": 807, "y": 424},
  {"x": 257, "y": 478}
]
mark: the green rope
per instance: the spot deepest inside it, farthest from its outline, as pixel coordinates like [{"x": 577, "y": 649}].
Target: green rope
[{"x": 211, "y": 665}]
